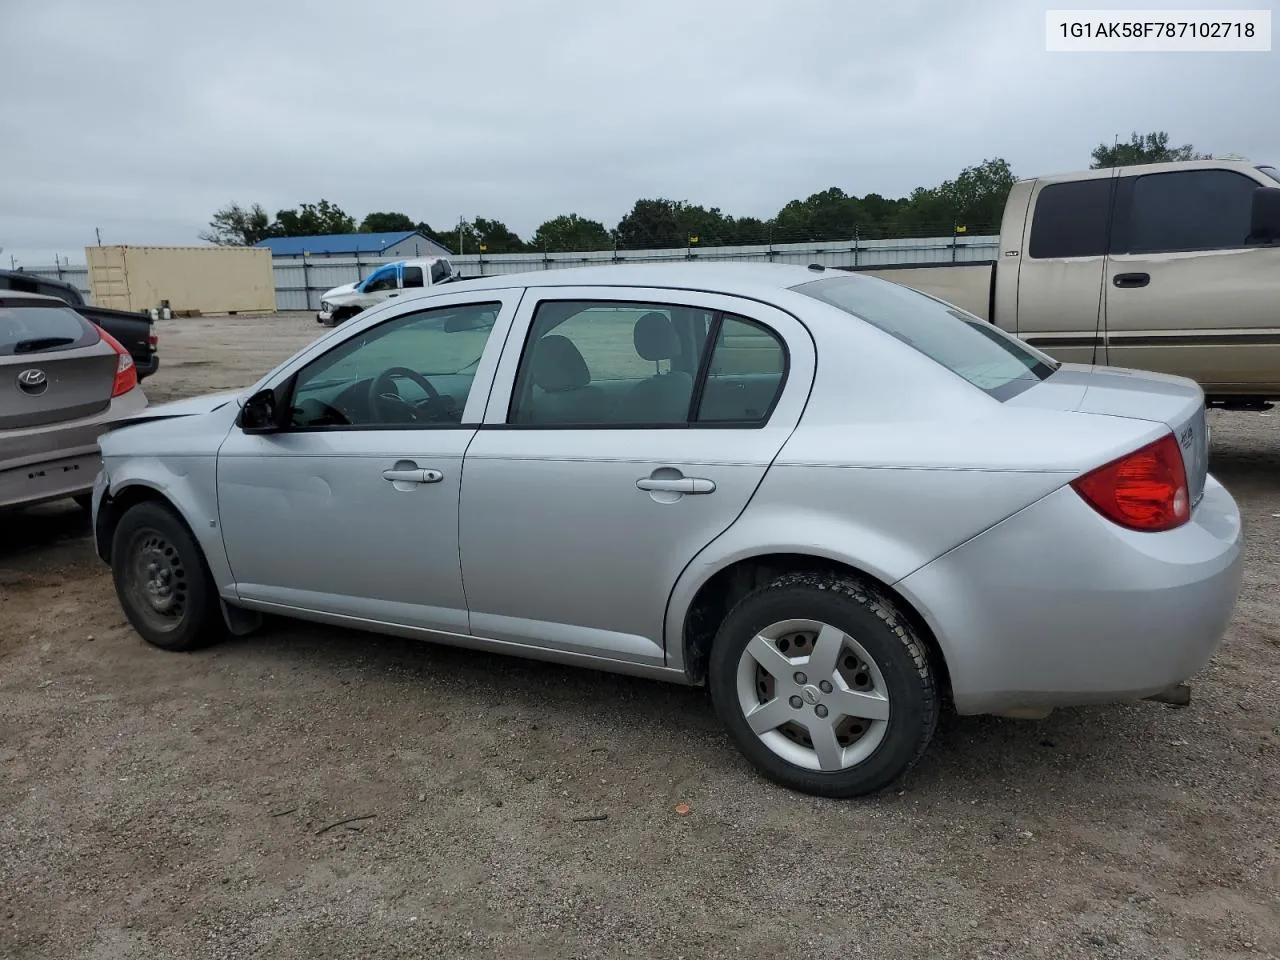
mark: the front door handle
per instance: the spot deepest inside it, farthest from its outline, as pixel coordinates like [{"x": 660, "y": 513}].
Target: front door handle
[
  {"x": 416, "y": 475},
  {"x": 677, "y": 484},
  {"x": 1131, "y": 279}
]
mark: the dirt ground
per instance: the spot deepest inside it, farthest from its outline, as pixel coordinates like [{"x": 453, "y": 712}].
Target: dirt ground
[{"x": 164, "y": 805}]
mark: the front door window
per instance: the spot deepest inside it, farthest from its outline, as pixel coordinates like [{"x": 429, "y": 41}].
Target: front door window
[{"x": 415, "y": 370}]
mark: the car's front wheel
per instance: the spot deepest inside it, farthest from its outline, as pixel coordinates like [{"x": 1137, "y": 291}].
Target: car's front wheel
[
  {"x": 823, "y": 685},
  {"x": 162, "y": 580}
]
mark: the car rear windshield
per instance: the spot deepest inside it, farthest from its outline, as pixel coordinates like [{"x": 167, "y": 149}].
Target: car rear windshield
[
  {"x": 978, "y": 351},
  {"x": 40, "y": 329}
]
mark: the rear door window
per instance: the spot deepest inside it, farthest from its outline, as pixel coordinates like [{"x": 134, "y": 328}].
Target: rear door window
[
  {"x": 608, "y": 363},
  {"x": 1070, "y": 220},
  {"x": 744, "y": 377},
  {"x": 412, "y": 277}
]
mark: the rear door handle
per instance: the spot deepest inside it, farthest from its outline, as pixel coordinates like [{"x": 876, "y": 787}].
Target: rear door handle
[
  {"x": 412, "y": 476},
  {"x": 677, "y": 484},
  {"x": 1131, "y": 279}
]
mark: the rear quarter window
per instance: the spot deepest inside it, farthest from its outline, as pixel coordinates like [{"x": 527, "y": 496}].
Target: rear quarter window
[{"x": 990, "y": 359}]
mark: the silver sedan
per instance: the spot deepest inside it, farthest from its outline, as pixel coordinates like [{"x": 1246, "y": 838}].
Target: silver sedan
[{"x": 836, "y": 502}]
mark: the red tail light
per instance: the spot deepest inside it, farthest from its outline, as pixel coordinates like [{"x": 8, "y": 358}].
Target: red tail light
[
  {"x": 126, "y": 372},
  {"x": 1144, "y": 490}
]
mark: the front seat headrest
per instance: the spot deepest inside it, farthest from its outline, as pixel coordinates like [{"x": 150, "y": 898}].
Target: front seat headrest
[
  {"x": 655, "y": 338},
  {"x": 558, "y": 365}
]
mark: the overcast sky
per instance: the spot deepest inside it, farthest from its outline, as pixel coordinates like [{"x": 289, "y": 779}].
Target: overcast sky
[{"x": 142, "y": 117}]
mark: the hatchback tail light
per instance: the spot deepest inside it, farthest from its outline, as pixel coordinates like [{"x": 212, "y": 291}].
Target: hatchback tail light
[
  {"x": 1144, "y": 490},
  {"x": 126, "y": 372}
]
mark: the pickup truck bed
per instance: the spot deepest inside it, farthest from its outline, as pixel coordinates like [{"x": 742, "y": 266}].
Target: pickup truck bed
[
  {"x": 135, "y": 331},
  {"x": 970, "y": 286}
]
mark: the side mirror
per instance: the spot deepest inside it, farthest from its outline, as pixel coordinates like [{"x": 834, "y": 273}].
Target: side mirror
[
  {"x": 259, "y": 413},
  {"x": 1264, "y": 227}
]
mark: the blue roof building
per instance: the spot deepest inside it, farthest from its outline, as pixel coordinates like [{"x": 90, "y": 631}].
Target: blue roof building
[{"x": 407, "y": 244}]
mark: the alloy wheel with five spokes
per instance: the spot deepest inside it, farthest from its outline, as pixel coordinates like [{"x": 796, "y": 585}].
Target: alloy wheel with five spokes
[
  {"x": 824, "y": 685},
  {"x": 812, "y": 694}
]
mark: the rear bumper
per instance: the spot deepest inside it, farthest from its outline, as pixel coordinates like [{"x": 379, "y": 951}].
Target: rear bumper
[
  {"x": 1056, "y": 606},
  {"x": 57, "y": 460},
  {"x": 66, "y": 476},
  {"x": 148, "y": 366}
]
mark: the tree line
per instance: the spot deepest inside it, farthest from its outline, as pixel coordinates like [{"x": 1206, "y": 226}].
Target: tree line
[{"x": 972, "y": 202}]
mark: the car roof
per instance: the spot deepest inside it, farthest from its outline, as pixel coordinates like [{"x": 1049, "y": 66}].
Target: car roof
[
  {"x": 35, "y": 297},
  {"x": 747, "y": 279},
  {"x": 411, "y": 262}
]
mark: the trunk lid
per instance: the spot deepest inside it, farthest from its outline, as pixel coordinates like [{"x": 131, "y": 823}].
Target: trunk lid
[
  {"x": 1176, "y": 402},
  {"x": 40, "y": 389}
]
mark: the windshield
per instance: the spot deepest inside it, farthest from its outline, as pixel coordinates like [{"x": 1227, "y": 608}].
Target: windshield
[
  {"x": 968, "y": 346},
  {"x": 1271, "y": 172},
  {"x": 31, "y": 329}
]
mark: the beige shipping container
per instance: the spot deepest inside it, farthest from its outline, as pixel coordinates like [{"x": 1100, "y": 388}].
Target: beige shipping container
[{"x": 195, "y": 279}]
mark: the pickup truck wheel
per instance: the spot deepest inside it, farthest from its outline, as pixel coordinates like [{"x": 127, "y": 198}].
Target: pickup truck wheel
[
  {"x": 162, "y": 580},
  {"x": 823, "y": 686}
]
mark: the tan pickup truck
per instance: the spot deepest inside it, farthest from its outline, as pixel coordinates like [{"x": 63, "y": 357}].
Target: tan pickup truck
[{"x": 1171, "y": 267}]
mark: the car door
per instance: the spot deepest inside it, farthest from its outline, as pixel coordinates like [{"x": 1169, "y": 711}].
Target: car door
[
  {"x": 1060, "y": 271},
  {"x": 627, "y": 429},
  {"x": 351, "y": 510},
  {"x": 1187, "y": 293}
]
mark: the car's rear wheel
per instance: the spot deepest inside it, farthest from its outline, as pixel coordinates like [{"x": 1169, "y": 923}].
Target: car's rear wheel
[
  {"x": 823, "y": 685},
  {"x": 162, "y": 580}
]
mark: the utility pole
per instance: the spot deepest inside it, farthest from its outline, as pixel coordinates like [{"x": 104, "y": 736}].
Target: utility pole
[
  {"x": 461, "y": 221},
  {"x": 98, "y": 234}
]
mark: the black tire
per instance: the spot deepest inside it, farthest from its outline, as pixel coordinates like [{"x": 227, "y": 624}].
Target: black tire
[
  {"x": 194, "y": 618},
  {"x": 901, "y": 657}
]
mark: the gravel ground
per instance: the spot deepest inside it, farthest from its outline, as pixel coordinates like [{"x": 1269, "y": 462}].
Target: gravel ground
[{"x": 162, "y": 805}]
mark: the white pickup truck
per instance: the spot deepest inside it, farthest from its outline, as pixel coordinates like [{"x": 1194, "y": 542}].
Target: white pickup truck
[
  {"x": 1169, "y": 267},
  {"x": 390, "y": 280}
]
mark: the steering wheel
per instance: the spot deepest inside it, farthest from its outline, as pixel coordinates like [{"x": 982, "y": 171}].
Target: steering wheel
[{"x": 383, "y": 393}]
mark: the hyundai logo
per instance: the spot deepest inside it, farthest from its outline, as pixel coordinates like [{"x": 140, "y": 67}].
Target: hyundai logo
[{"x": 33, "y": 381}]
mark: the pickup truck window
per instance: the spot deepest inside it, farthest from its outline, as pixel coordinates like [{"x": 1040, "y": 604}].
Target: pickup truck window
[
  {"x": 993, "y": 361},
  {"x": 439, "y": 271},
  {"x": 384, "y": 278},
  {"x": 1190, "y": 210},
  {"x": 412, "y": 277},
  {"x": 1070, "y": 220}
]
